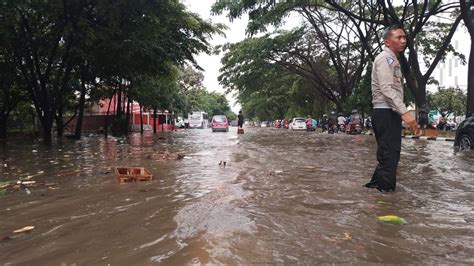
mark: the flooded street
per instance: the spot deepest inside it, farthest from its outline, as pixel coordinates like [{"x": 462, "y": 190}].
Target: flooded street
[{"x": 283, "y": 198}]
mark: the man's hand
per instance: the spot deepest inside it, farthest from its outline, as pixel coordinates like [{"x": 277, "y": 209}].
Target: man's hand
[{"x": 410, "y": 121}]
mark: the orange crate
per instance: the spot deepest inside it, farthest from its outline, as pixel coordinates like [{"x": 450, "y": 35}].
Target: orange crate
[{"x": 132, "y": 174}]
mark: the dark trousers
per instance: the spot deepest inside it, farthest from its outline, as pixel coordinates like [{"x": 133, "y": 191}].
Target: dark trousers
[{"x": 387, "y": 128}]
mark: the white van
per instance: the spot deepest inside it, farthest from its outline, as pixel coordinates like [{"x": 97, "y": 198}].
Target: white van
[{"x": 198, "y": 120}]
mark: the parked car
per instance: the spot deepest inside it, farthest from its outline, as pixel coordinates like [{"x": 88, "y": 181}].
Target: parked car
[
  {"x": 465, "y": 134},
  {"x": 219, "y": 123},
  {"x": 298, "y": 123}
]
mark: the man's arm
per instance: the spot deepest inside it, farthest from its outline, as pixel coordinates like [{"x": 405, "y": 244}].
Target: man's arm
[{"x": 409, "y": 120}]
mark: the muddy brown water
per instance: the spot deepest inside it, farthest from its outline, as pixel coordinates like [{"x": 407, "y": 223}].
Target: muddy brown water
[{"x": 283, "y": 198}]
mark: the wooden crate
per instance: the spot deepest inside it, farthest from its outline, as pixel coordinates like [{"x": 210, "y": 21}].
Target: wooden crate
[
  {"x": 132, "y": 174},
  {"x": 240, "y": 131}
]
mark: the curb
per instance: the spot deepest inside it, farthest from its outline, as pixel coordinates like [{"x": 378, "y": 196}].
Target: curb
[
  {"x": 423, "y": 137},
  {"x": 427, "y": 138}
]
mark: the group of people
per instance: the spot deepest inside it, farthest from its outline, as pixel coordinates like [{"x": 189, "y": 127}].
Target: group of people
[{"x": 332, "y": 123}]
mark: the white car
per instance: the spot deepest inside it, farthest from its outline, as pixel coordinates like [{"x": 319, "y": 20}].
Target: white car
[{"x": 298, "y": 123}]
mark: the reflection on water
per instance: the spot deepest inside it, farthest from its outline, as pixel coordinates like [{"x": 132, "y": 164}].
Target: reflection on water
[{"x": 283, "y": 197}]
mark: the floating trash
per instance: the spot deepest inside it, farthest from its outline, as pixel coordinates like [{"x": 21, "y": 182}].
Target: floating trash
[
  {"x": 392, "y": 219},
  {"x": 24, "y": 229},
  {"x": 169, "y": 156},
  {"x": 132, "y": 174}
]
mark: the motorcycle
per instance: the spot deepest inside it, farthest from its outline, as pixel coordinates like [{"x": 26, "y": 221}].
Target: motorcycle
[
  {"x": 354, "y": 128},
  {"x": 368, "y": 123},
  {"x": 342, "y": 128},
  {"x": 332, "y": 128}
]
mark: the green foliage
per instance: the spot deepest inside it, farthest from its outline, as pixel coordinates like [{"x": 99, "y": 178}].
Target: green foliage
[
  {"x": 189, "y": 78},
  {"x": 447, "y": 100},
  {"x": 428, "y": 39},
  {"x": 211, "y": 102},
  {"x": 156, "y": 92},
  {"x": 272, "y": 82},
  {"x": 361, "y": 100},
  {"x": 261, "y": 13},
  {"x": 324, "y": 50},
  {"x": 57, "y": 43}
]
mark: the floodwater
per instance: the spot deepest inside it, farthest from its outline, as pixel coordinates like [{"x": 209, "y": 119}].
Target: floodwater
[{"x": 283, "y": 198}]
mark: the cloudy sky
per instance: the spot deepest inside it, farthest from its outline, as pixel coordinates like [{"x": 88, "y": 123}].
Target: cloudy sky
[{"x": 211, "y": 63}]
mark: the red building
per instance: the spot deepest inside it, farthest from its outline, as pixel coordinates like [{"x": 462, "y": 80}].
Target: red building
[{"x": 95, "y": 117}]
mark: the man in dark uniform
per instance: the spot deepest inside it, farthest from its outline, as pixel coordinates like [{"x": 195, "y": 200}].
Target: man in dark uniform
[
  {"x": 389, "y": 109},
  {"x": 240, "y": 118}
]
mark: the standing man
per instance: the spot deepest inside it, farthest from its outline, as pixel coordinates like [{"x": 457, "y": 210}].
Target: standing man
[
  {"x": 389, "y": 109},
  {"x": 240, "y": 120}
]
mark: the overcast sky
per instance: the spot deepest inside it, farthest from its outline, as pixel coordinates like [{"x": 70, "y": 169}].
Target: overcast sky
[{"x": 211, "y": 63}]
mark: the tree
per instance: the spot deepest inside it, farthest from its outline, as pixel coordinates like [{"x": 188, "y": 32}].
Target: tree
[
  {"x": 324, "y": 51},
  {"x": 265, "y": 90},
  {"x": 53, "y": 41},
  {"x": 156, "y": 92},
  {"x": 447, "y": 101},
  {"x": 427, "y": 38},
  {"x": 10, "y": 91},
  {"x": 190, "y": 78},
  {"x": 467, "y": 13}
]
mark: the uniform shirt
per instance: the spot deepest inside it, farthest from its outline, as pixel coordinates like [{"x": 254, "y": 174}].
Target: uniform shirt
[
  {"x": 341, "y": 120},
  {"x": 387, "y": 85}
]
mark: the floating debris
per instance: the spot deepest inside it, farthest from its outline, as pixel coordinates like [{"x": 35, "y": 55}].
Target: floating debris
[
  {"x": 347, "y": 236},
  {"x": 132, "y": 174},
  {"x": 167, "y": 156},
  {"x": 24, "y": 229},
  {"x": 222, "y": 163},
  {"x": 392, "y": 219},
  {"x": 23, "y": 185}
]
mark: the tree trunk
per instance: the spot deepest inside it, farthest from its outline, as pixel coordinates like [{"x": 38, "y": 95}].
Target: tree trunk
[
  {"x": 163, "y": 125},
  {"x": 82, "y": 102},
  {"x": 470, "y": 82},
  {"x": 47, "y": 124},
  {"x": 128, "y": 114},
  {"x": 154, "y": 120},
  {"x": 141, "y": 120},
  {"x": 60, "y": 121},
  {"x": 3, "y": 126},
  {"x": 467, "y": 13},
  {"x": 118, "y": 110},
  {"x": 107, "y": 115}
]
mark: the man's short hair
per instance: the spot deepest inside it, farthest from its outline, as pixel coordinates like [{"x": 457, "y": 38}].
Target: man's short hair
[{"x": 388, "y": 30}]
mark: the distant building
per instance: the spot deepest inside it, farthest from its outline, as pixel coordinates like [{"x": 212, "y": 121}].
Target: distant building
[
  {"x": 96, "y": 114},
  {"x": 451, "y": 72}
]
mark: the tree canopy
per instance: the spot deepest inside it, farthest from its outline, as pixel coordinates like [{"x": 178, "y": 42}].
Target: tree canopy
[
  {"x": 447, "y": 100},
  {"x": 348, "y": 34},
  {"x": 55, "y": 43}
]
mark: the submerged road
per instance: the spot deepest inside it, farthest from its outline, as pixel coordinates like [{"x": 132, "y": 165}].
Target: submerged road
[{"x": 282, "y": 198}]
